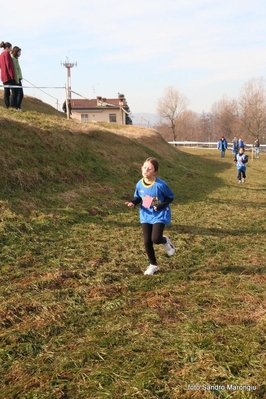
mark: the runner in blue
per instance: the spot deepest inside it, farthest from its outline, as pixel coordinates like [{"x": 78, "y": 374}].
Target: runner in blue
[
  {"x": 240, "y": 160},
  {"x": 154, "y": 197}
]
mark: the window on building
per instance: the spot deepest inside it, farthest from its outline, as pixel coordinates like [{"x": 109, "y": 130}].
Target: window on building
[
  {"x": 84, "y": 118},
  {"x": 112, "y": 117}
]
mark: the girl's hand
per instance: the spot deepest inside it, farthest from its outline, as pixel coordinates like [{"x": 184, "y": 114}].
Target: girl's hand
[{"x": 130, "y": 204}]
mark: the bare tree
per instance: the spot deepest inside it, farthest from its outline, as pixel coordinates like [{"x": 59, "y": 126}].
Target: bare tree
[
  {"x": 252, "y": 106},
  {"x": 206, "y": 127},
  {"x": 225, "y": 114},
  {"x": 170, "y": 106},
  {"x": 187, "y": 126},
  {"x": 164, "y": 131}
]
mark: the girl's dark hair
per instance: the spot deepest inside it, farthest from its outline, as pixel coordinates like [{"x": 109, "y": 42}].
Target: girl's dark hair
[
  {"x": 15, "y": 51},
  {"x": 154, "y": 162},
  {"x": 5, "y": 45}
]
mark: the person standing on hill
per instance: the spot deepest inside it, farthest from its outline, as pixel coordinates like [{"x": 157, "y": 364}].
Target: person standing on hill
[
  {"x": 154, "y": 196},
  {"x": 240, "y": 160},
  {"x": 222, "y": 146},
  {"x": 7, "y": 70},
  {"x": 241, "y": 144},
  {"x": 234, "y": 146},
  {"x": 67, "y": 105},
  {"x": 17, "y": 93},
  {"x": 256, "y": 145}
]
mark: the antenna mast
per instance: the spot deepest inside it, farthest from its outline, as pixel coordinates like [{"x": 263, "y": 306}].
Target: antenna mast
[{"x": 68, "y": 65}]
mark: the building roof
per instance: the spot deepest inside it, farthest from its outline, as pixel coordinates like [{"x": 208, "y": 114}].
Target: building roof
[{"x": 99, "y": 102}]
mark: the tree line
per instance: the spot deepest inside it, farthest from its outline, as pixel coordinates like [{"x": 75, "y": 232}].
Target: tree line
[{"x": 244, "y": 117}]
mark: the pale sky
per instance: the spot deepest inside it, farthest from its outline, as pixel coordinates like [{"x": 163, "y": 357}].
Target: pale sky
[{"x": 204, "y": 48}]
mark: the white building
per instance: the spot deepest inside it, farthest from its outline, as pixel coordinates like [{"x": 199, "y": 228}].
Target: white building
[{"x": 113, "y": 110}]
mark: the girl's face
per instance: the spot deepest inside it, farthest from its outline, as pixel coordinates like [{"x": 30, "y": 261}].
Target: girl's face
[{"x": 148, "y": 171}]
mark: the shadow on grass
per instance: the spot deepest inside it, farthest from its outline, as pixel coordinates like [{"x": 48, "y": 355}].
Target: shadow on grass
[
  {"x": 196, "y": 179},
  {"x": 239, "y": 203},
  {"x": 240, "y": 270},
  {"x": 212, "y": 231}
]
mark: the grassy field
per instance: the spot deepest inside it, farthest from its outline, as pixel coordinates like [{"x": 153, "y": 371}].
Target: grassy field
[{"x": 78, "y": 319}]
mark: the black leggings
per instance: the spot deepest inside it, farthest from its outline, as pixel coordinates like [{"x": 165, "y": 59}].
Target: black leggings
[
  {"x": 152, "y": 234},
  {"x": 241, "y": 174}
]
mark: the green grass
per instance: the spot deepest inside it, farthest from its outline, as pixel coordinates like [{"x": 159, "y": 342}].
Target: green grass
[{"x": 78, "y": 319}]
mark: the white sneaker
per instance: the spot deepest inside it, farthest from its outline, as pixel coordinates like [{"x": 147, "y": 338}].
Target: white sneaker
[
  {"x": 169, "y": 247},
  {"x": 151, "y": 270},
  {"x": 243, "y": 180}
]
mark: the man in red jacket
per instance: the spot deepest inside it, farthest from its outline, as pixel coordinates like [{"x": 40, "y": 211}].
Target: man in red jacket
[{"x": 7, "y": 70}]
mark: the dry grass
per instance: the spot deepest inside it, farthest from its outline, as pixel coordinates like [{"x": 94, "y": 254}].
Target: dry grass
[{"x": 77, "y": 317}]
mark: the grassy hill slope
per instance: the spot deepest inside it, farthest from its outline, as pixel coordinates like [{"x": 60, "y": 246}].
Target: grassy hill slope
[
  {"x": 78, "y": 319},
  {"x": 34, "y": 104},
  {"x": 43, "y": 154}
]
